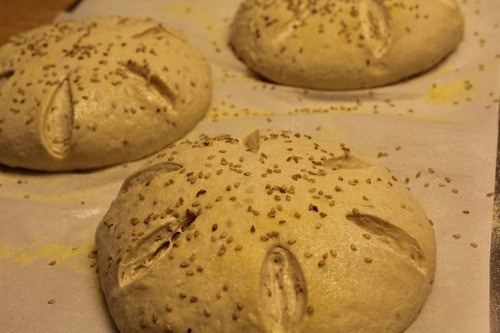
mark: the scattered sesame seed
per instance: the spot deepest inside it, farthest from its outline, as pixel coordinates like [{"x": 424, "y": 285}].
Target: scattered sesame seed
[{"x": 310, "y": 310}]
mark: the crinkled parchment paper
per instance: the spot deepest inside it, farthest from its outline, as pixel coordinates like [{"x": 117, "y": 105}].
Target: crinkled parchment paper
[{"x": 437, "y": 132}]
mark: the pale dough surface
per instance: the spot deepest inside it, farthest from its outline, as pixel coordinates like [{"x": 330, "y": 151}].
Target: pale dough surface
[
  {"x": 80, "y": 95},
  {"x": 340, "y": 45},
  {"x": 276, "y": 232}
]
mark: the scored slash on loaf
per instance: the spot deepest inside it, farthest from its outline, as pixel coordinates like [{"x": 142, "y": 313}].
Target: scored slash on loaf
[
  {"x": 80, "y": 95},
  {"x": 272, "y": 233},
  {"x": 341, "y": 45}
]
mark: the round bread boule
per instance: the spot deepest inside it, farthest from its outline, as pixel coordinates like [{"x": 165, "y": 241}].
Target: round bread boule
[
  {"x": 275, "y": 233},
  {"x": 339, "y": 45},
  {"x": 80, "y": 95}
]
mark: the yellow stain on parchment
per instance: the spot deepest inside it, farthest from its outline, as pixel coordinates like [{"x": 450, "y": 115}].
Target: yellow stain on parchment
[
  {"x": 191, "y": 14},
  {"x": 449, "y": 93},
  {"x": 76, "y": 258},
  {"x": 62, "y": 254},
  {"x": 229, "y": 111}
]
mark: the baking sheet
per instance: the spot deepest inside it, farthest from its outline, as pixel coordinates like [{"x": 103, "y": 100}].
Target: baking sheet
[{"x": 437, "y": 132}]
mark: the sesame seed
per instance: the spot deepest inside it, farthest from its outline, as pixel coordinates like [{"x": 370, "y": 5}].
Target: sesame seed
[{"x": 310, "y": 310}]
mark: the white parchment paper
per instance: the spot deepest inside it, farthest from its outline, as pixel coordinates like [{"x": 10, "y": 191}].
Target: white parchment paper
[{"x": 437, "y": 132}]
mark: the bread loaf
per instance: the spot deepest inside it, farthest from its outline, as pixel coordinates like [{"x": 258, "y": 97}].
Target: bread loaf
[
  {"x": 80, "y": 95},
  {"x": 273, "y": 233},
  {"x": 339, "y": 45}
]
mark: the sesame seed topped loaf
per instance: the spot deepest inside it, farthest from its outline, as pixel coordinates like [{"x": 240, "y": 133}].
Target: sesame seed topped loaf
[
  {"x": 80, "y": 95},
  {"x": 272, "y": 233},
  {"x": 344, "y": 44}
]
